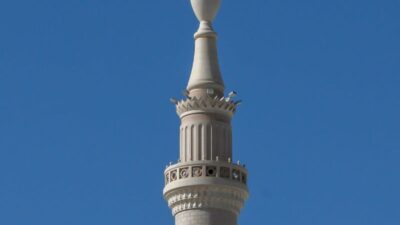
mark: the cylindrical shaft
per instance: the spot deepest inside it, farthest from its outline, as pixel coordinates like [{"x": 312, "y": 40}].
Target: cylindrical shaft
[{"x": 205, "y": 217}]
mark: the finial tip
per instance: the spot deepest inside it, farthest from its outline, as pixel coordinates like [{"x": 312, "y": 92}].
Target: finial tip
[{"x": 205, "y": 10}]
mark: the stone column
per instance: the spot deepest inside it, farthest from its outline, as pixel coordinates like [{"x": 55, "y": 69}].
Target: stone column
[{"x": 205, "y": 187}]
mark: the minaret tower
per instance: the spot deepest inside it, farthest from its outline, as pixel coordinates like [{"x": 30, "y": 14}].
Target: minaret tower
[{"x": 204, "y": 187}]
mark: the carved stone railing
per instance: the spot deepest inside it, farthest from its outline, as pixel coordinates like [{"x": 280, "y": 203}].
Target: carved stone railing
[
  {"x": 206, "y": 169},
  {"x": 205, "y": 184}
]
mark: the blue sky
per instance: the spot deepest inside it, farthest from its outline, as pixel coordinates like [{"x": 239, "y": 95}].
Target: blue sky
[{"x": 86, "y": 127}]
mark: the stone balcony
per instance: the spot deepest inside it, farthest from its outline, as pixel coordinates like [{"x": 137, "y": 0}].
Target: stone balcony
[
  {"x": 205, "y": 169},
  {"x": 205, "y": 185}
]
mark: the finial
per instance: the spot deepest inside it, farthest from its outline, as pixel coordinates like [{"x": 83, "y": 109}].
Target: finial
[
  {"x": 186, "y": 94},
  {"x": 173, "y": 101},
  {"x": 205, "y": 10},
  {"x": 231, "y": 95},
  {"x": 205, "y": 71}
]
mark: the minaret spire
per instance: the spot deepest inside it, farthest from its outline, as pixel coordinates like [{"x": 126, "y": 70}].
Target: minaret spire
[
  {"x": 205, "y": 71},
  {"x": 204, "y": 187}
]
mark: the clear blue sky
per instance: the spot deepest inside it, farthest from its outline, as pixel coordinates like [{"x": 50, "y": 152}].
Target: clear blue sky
[{"x": 86, "y": 127}]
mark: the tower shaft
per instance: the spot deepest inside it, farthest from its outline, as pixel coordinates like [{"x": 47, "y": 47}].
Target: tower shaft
[
  {"x": 204, "y": 187},
  {"x": 205, "y": 137}
]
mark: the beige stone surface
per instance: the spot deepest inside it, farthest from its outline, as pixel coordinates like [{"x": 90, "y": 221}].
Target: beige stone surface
[
  {"x": 205, "y": 217},
  {"x": 205, "y": 187}
]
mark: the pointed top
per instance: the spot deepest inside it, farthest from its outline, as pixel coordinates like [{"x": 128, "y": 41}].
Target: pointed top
[{"x": 205, "y": 71}]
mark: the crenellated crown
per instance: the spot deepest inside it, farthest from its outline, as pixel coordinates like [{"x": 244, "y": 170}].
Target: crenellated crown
[{"x": 224, "y": 105}]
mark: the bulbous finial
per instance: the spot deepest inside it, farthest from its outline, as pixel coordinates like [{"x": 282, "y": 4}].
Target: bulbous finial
[{"x": 205, "y": 10}]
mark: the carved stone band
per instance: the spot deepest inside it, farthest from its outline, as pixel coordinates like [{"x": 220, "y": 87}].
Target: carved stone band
[
  {"x": 209, "y": 169},
  {"x": 218, "y": 105},
  {"x": 202, "y": 197}
]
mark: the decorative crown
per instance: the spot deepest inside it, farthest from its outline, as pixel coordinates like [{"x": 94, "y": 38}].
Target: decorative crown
[{"x": 216, "y": 104}]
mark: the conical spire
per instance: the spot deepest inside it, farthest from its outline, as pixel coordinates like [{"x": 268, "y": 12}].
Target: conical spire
[{"x": 205, "y": 73}]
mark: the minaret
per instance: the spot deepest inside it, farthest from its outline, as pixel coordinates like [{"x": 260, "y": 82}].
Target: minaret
[{"x": 204, "y": 187}]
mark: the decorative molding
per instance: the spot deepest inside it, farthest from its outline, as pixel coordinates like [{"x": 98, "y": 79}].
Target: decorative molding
[
  {"x": 199, "y": 197},
  {"x": 222, "y": 105},
  {"x": 216, "y": 170}
]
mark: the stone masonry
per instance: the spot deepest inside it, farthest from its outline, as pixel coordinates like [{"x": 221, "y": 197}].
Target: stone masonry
[{"x": 205, "y": 187}]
